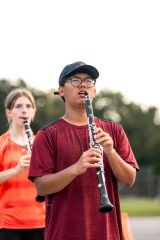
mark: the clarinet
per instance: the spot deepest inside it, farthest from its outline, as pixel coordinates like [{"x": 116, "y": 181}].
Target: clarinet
[
  {"x": 105, "y": 205},
  {"x": 28, "y": 133}
]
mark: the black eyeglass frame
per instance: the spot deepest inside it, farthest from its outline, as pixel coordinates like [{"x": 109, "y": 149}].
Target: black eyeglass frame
[{"x": 86, "y": 81}]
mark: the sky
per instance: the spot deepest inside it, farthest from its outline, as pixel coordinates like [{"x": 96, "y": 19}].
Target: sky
[{"x": 121, "y": 38}]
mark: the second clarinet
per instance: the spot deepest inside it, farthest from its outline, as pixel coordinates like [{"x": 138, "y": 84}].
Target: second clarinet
[
  {"x": 105, "y": 205},
  {"x": 28, "y": 133}
]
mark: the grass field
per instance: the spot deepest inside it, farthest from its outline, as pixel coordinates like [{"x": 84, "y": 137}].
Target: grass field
[{"x": 140, "y": 206}]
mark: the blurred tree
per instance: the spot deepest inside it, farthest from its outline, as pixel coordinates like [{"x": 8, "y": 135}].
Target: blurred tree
[
  {"x": 5, "y": 87},
  {"x": 49, "y": 108},
  {"x": 44, "y": 115},
  {"x": 140, "y": 125}
]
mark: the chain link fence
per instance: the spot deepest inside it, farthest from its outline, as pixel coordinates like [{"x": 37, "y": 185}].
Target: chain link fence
[{"x": 147, "y": 185}]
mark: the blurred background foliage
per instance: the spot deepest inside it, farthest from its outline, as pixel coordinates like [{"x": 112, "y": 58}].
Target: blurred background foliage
[{"x": 142, "y": 126}]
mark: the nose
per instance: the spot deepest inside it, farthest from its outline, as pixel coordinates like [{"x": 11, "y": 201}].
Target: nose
[
  {"x": 83, "y": 83},
  {"x": 24, "y": 108}
]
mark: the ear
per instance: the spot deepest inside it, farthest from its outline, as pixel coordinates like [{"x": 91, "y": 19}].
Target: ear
[
  {"x": 8, "y": 113},
  {"x": 94, "y": 94},
  {"x": 61, "y": 91}
]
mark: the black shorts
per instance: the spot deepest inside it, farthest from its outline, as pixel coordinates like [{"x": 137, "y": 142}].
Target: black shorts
[{"x": 22, "y": 234}]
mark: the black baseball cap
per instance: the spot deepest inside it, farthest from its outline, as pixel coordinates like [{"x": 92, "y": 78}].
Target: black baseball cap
[{"x": 77, "y": 67}]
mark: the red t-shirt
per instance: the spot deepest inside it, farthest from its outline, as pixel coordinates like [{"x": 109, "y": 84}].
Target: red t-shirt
[
  {"x": 73, "y": 213},
  {"x": 18, "y": 208}
]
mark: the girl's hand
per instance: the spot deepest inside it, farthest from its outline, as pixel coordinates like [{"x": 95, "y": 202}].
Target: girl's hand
[{"x": 23, "y": 163}]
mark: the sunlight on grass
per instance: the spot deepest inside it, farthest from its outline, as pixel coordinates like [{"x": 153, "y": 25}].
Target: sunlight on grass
[{"x": 140, "y": 206}]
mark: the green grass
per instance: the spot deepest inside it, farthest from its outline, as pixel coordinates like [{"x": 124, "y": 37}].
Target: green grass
[{"x": 140, "y": 206}]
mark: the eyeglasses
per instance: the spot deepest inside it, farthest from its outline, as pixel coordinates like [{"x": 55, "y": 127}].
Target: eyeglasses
[{"x": 76, "y": 82}]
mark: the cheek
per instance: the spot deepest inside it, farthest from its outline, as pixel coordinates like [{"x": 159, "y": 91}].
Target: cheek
[
  {"x": 11, "y": 115},
  {"x": 68, "y": 93}
]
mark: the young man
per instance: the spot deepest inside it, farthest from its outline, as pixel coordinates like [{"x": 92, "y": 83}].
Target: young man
[{"x": 63, "y": 165}]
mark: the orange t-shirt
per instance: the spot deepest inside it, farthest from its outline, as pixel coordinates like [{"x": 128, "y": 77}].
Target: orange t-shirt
[{"x": 18, "y": 207}]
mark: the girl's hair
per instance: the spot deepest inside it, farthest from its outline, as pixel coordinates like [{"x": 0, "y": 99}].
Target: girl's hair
[{"x": 15, "y": 94}]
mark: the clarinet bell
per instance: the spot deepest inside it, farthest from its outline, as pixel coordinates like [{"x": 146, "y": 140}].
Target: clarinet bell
[
  {"x": 108, "y": 207},
  {"x": 40, "y": 198}
]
